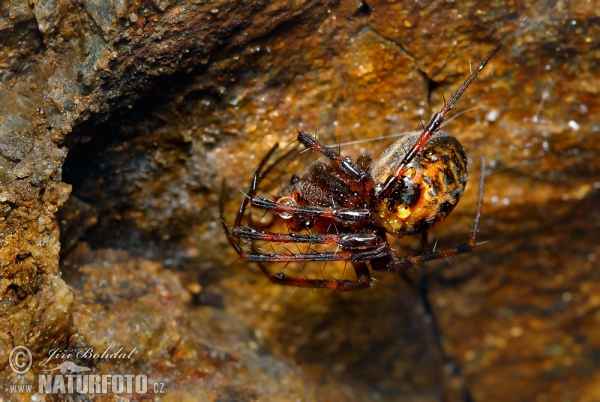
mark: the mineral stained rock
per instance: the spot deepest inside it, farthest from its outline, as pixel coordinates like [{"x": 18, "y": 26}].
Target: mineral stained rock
[{"x": 119, "y": 120}]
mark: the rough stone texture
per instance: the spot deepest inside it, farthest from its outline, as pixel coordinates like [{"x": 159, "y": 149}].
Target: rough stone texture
[{"x": 144, "y": 107}]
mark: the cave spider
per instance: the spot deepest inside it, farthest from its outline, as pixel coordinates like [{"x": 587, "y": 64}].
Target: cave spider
[{"x": 351, "y": 206}]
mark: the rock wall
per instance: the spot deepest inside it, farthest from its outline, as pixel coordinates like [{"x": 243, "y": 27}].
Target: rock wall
[{"x": 119, "y": 120}]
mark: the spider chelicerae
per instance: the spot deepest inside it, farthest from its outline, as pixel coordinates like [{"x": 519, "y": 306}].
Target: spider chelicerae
[{"x": 351, "y": 206}]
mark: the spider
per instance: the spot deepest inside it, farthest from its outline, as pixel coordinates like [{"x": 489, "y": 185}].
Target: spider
[{"x": 354, "y": 206}]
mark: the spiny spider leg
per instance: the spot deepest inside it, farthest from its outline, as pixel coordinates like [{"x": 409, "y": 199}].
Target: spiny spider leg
[
  {"x": 410, "y": 261},
  {"x": 382, "y": 250},
  {"x": 353, "y": 241},
  {"x": 433, "y": 126},
  {"x": 338, "y": 214},
  {"x": 259, "y": 174},
  {"x": 343, "y": 163},
  {"x": 244, "y": 204}
]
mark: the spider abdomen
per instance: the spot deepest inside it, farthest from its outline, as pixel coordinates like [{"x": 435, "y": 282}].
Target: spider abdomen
[{"x": 431, "y": 184}]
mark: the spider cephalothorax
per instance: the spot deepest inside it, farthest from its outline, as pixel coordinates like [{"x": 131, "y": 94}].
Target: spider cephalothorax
[{"x": 351, "y": 206}]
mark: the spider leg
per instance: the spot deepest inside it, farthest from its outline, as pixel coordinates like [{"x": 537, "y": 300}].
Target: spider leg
[
  {"x": 256, "y": 179},
  {"x": 261, "y": 171},
  {"x": 344, "y": 164},
  {"x": 432, "y": 127},
  {"x": 353, "y": 241},
  {"x": 353, "y": 256},
  {"x": 338, "y": 214},
  {"x": 363, "y": 279}
]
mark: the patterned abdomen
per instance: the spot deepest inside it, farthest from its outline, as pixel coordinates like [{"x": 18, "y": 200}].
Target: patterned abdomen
[{"x": 431, "y": 184}]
